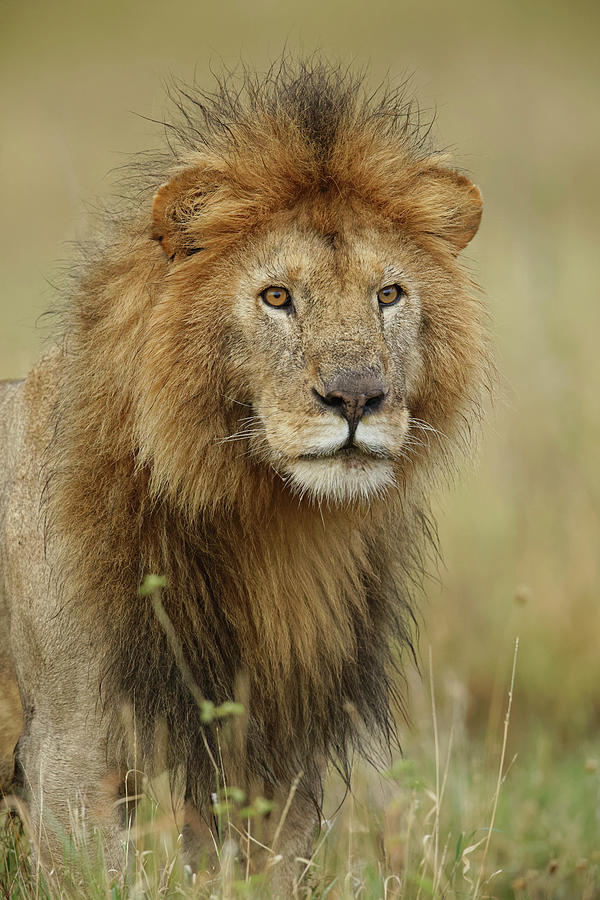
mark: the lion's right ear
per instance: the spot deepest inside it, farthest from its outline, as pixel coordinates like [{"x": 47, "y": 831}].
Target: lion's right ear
[{"x": 175, "y": 204}]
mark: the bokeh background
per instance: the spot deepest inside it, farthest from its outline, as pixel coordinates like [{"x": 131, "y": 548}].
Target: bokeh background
[{"x": 515, "y": 88}]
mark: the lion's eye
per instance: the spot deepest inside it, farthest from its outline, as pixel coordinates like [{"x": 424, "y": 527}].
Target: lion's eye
[
  {"x": 390, "y": 294},
  {"x": 277, "y": 296}
]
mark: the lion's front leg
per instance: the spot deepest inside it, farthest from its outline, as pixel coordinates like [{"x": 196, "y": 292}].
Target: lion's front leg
[
  {"x": 277, "y": 844},
  {"x": 292, "y": 832},
  {"x": 73, "y": 792}
]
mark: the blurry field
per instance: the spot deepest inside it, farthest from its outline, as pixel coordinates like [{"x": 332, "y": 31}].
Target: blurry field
[{"x": 516, "y": 90}]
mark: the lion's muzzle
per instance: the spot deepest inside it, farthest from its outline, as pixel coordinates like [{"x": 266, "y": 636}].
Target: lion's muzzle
[{"x": 353, "y": 395}]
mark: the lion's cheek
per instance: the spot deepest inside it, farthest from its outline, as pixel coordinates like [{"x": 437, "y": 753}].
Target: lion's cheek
[
  {"x": 383, "y": 434},
  {"x": 290, "y": 432}
]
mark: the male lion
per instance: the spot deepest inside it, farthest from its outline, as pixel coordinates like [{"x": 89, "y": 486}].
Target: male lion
[{"x": 257, "y": 373}]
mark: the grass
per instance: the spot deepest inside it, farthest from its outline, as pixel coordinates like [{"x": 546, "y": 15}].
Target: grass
[{"x": 449, "y": 818}]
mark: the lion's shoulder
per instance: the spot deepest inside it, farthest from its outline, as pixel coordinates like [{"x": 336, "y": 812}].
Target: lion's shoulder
[
  {"x": 26, "y": 427},
  {"x": 26, "y": 404},
  {"x": 40, "y": 393}
]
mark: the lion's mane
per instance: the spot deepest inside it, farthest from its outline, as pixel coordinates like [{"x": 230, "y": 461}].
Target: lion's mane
[{"x": 307, "y": 607}]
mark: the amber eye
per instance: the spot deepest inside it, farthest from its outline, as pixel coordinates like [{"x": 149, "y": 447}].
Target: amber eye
[
  {"x": 277, "y": 296},
  {"x": 389, "y": 295}
]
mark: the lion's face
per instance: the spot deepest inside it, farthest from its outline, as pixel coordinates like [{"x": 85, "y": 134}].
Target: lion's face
[
  {"x": 314, "y": 333},
  {"x": 330, "y": 328}
]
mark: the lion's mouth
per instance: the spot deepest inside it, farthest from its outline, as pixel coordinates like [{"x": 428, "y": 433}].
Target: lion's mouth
[{"x": 347, "y": 452}]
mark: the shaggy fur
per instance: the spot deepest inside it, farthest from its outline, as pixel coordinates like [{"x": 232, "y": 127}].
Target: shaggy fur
[{"x": 293, "y": 598}]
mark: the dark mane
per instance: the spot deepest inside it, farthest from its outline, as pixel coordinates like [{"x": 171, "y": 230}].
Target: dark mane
[{"x": 320, "y": 100}]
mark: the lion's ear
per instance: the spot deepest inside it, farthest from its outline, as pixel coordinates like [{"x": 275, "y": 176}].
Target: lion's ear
[
  {"x": 174, "y": 206},
  {"x": 455, "y": 206}
]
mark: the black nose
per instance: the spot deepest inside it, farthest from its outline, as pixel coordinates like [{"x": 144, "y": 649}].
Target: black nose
[{"x": 354, "y": 394}]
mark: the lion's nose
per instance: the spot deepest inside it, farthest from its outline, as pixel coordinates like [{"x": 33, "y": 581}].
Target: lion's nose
[{"x": 354, "y": 394}]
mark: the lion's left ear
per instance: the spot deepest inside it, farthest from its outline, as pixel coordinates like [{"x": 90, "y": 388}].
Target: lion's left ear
[
  {"x": 454, "y": 204},
  {"x": 175, "y": 204}
]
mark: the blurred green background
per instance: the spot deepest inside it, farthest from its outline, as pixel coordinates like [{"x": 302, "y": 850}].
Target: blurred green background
[{"x": 515, "y": 86}]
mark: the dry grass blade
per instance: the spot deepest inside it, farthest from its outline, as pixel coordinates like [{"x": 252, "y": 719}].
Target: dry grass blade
[{"x": 500, "y": 772}]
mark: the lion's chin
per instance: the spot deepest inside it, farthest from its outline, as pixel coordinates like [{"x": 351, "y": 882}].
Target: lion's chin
[{"x": 340, "y": 479}]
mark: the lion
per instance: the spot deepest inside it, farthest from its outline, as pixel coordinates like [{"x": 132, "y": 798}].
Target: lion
[{"x": 264, "y": 365}]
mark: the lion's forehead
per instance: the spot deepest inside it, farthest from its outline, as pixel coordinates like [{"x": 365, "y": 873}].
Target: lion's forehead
[{"x": 350, "y": 259}]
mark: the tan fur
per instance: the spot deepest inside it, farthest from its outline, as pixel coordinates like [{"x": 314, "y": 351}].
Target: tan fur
[
  {"x": 10, "y": 706},
  {"x": 176, "y": 431}
]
